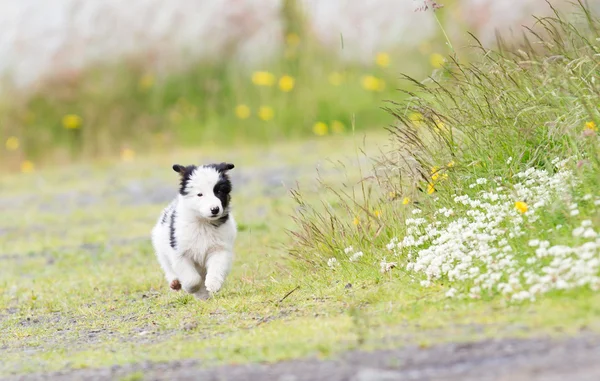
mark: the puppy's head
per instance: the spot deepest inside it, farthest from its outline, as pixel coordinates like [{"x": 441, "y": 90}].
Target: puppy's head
[{"x": 206, "y": 189}]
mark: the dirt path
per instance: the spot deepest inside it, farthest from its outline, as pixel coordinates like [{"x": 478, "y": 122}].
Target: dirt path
[{"x": 574, "y": 359}]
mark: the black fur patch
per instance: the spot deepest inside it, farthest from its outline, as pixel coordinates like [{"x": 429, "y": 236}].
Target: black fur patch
[
  {"x": 222, "y": 189},
  {"x": 164, "y": 217},
  {"x": 221, "y": 167},
  {"x": 185, "y": 173},
  {"x": 221, "y": 220},
  {"x": 172, "y": 239}
]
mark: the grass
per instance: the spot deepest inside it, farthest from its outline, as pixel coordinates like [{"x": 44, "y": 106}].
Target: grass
[
  {"x": 80, "y": 286},
  {"x": 123, "y": 108},
  {"x": 79, "y": 290}
]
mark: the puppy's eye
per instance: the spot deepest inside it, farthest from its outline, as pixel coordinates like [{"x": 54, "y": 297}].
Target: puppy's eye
[{"x": 200, "y": 195}]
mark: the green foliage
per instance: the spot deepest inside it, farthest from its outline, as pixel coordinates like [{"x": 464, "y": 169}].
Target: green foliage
[{"x": 512, "y": 108}]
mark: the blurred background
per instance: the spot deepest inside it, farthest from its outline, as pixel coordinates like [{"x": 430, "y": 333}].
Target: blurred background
[{"x": 89, "y": 79}]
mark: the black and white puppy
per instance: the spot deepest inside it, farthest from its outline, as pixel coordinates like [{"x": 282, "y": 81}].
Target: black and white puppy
[{"x": 193, "y": 238}]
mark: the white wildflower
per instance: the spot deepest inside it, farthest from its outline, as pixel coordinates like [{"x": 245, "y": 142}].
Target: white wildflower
[
  {"x": 348, "y": 250},
  {"x": 384, "y": 266},
  {"x": 332, "y": 262},
  {"x": 356, "y": 256}
]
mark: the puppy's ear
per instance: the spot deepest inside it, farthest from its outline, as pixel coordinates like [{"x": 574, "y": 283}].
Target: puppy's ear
[
  {"x": 179, "y": 169},
  {"x": 224, "y": 167}
]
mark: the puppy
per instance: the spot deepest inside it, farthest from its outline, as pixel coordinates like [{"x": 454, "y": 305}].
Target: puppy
[{"x": 194, "y": 236}]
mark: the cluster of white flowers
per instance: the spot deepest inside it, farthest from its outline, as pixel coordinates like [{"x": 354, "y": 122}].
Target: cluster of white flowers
[{"x": 469, "y": 243}]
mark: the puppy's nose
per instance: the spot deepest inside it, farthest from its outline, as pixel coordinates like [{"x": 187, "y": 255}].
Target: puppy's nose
[{"x": 215, "y": 210}]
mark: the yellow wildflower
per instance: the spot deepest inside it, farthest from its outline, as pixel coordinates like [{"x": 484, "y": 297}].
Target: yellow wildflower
[
  {"x": 405, "y": 201},
  {"x": 382, "y": 59},
  {"x": 435, "y": 173},
  {"x": 377, "y": 213},
  {"x": 371, "y": 83},
  {"x": 292, "y": 39},
  {"x": 27, "y": 166},
  {"x": 263, "y": 78},
  {"x": 127, "y": 154},
  {"x": 430, "y": 188},
  {"x": 355, "y": 221},
  {"x": 12, "y": 143},
  {"x": 71, "y": 121},
  {"x": 591, "y": 125},
  {"x": 451, "y": 164},
  {"x": 437, "y": 60},
  {"x": 521, "y": 206},
  {"x": 337, "y": 127},
  {"x": 335, "y": 78},
  {"x": 266, "y": 113},
  {"x": 146, "y": 82},
  {"x": 416, "y": 118},
  {"x": 242, "y": 111},
  {"x": 286, "y": 83},
  {"x": 320, "y": 129}
]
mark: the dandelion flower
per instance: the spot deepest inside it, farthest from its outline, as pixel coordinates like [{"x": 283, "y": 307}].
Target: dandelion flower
[
  {"x": 430, "y": 188},
  {"x": 146, "y": 82},
  {"x": 292, "y": 39},
  {"x": 27, "y": 166},
  {"x": 335, "y": 78},
  {"x": 437, "y": 60},
  {"x": 337, "y": 127},
  {"x": 71, "y": 121},
  {"x": 382, "y": 59},
  {"x": 12, "y": 143},
  {"x": 591, "y": 126},
  {"x": 416, "y": 118},
  {"x": 242, "y": 111},
  {"x": 356, "y": 221},
  {"x": 266, "y": 113},
  {"x": 521, "y": 206},
  {"x": 371, "y": 83},
  {"x": 320, "y": 129},
  {"x": 263, "y": 78},
  {"x": 127, "y": 154},
  {"x": 405, "y": 201},
  {"x": 286, "y": 83}
]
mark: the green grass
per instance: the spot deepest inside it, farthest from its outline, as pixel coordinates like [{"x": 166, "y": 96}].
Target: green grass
[{"x": 64, "y": 305}]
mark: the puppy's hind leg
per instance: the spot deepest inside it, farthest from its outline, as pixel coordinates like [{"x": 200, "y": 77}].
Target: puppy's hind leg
[
  {"x": 187, "y": 274},
  {"x": 165, "y": 263}
]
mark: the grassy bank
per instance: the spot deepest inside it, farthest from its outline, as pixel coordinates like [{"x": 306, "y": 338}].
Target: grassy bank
[{"x": 488, "y": 190}]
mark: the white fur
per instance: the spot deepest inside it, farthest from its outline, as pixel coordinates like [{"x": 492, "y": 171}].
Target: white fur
[{"x": 203, "y": 254}]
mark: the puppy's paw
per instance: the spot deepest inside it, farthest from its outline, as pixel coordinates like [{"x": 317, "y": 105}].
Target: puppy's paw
[
  {"x": 175, "y": 285},
  {"x": 213, "y": 285},
  {"x": 202, "y": 294}
]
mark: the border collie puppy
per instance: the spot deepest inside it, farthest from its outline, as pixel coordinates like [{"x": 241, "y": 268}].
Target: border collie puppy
[{"x": 193, "y": 238}]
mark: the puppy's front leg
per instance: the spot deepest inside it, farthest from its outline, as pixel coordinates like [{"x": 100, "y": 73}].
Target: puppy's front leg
[
  {"x": 187, "y": 274},
  {"x": 218, "y": 265}
]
